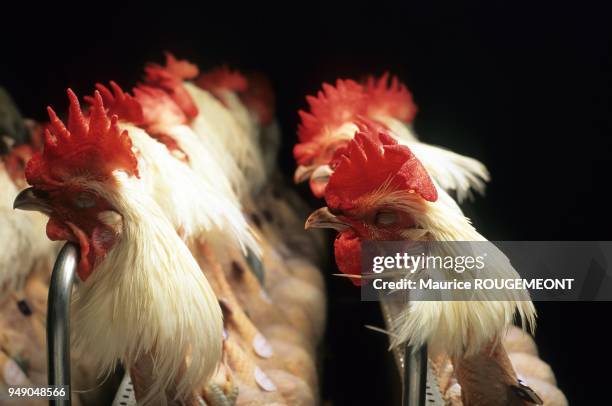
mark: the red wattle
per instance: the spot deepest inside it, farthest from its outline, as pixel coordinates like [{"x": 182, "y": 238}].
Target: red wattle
[
  {"x": 347, "y": 249},
  {"x": 84, "y": 264},
  {"x": 58, "y": 231}
]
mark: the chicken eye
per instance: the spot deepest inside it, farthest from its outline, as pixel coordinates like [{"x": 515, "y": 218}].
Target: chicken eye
[
  {"x": 84, "y": 200},
  {"x": 385, "y": 218}
]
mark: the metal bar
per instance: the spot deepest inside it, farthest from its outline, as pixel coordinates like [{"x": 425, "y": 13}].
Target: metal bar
[
  {"x": 389, "y": 311},
  {"x": 416, "y": 368},
  {"x": 415, "y": 376},
  {"x": 58, "y": 319}
]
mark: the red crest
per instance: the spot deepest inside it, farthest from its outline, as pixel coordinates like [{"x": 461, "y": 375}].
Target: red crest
[
  {"x": 181, "y": 68},
  {"x": 391, "y": 99},
  {"x": 160, "y": 77},
  {"x": 332, "y": 107},
  {"x": 91, "y": 146},
  {"x": 373, "y": 159},
  {"x": 223, "y": 78},
  {"x": 158, "y": 108},
  {"x": 119, "y": 103}
]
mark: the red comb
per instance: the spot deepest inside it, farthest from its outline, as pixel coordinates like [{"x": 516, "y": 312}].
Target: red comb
[
  {"x": 259, "y": 97},
  {"x": 364, "y": 124},
  {"x": 332, "y": 107},
  {"x": 181, "y": 68},
  {"x": 158, "y": 108},
  {"x": 119, "y": 103},
  {"x": 93, "y": 147},
  {"x": 157, "y": 76},
  {"x": 371, "y": 160},
  {"x": 389, "y": 99},
  {"x": 223, "y": 78}
]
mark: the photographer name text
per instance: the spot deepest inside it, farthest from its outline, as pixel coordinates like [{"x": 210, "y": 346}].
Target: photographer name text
[{"x": 475, "y": 284}]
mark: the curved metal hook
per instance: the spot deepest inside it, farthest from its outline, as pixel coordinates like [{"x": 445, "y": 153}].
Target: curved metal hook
[
  {"x": 415, "y": 376},
  {"x": 58, "y": 318}
]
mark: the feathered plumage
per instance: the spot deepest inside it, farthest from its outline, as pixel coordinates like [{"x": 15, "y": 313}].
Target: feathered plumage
[
  {"x": 376, "y": 175},
  {"x": 142, "y": 293}
]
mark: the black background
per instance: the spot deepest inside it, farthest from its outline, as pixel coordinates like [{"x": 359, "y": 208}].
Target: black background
[{"x": 523, "y": 87}]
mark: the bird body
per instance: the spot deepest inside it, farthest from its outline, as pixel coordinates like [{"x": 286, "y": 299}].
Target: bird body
[
  {"x": 142, "y": 295},
  {"x": 236, "y": 157},
  {"x": 26, "y": 249},
  {"x": 148, "y": 296},
  {"x": 196, "y": 203},
  {"x": 381, "y": 191}
]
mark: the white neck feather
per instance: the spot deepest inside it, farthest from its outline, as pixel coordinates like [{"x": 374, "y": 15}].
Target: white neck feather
[
  {"x": 460, "y": 327},
  {"x": 234, "y": 144},
  {"x": 149, "y": 297},
  {"x": 193, "y": 203},
  {"x": 8, "y": 190},
  {"x": 22, "y": 238}
]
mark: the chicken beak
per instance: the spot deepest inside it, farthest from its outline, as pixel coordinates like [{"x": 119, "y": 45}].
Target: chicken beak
[
  {"x": 303, "y": 172},
  {"x": 321, "y": 174},
  {"x": 323, "y": 218},
  {"x": 28, "y": 200}
]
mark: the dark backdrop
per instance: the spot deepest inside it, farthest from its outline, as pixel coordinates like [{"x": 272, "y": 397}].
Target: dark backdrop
[{"x": 523, "y": 87}]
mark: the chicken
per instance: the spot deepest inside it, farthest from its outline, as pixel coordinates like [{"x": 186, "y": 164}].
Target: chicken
[
  {"x": 222, "y": 115},
  {"x": 142, "y": 298},
  {"x": 209, "y": 111},
  {"x": 332, "y": 121},
  {"x": 26, "y": 250},
  {"x": 26, "y": 258},
  {"x": 17, "y": 238},
  {"x": 260, "y": 101},
  {"x": 380, "y": 191},
  {"x": 209, "y": 120},
  {"x": 215, "y": 125},
  {"x": 288, "y": 269},
  {"x": 25, "y": 265},
  {"x": 178, "y": 177},
  {"x": 270, "y": 353},
  {"x": 225, "y": 86},
  {"x": 198, "y": 205}
]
